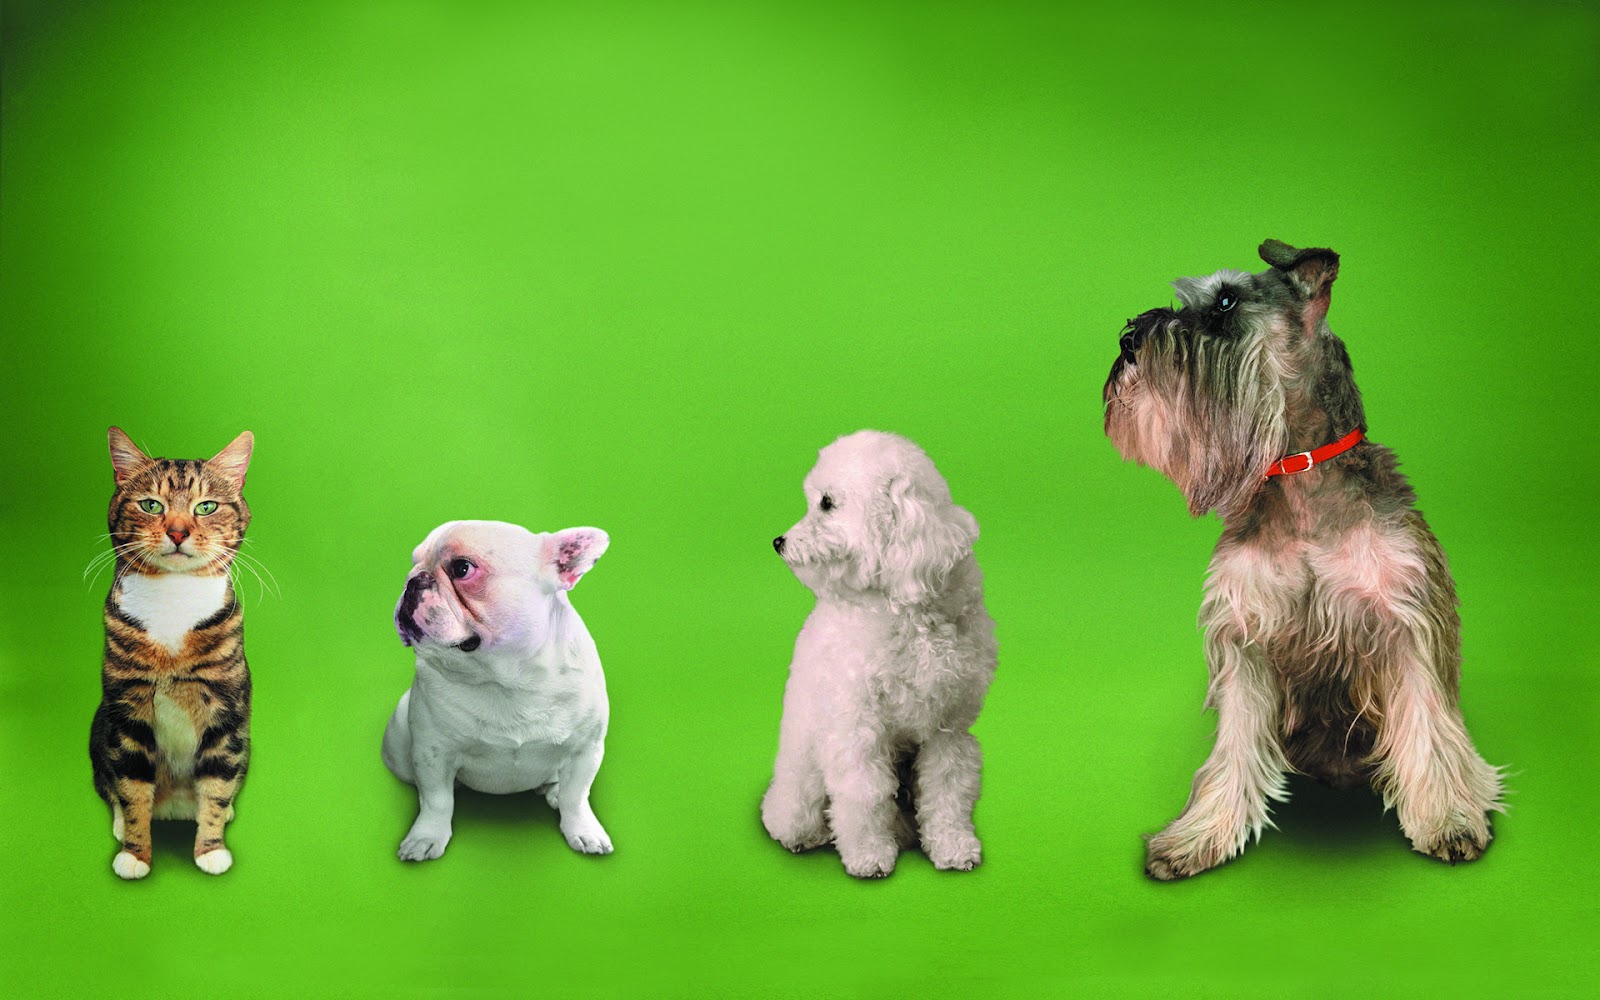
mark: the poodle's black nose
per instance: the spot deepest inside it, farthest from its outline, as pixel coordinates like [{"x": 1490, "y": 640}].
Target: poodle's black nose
[{"x": 777, "y": 544}]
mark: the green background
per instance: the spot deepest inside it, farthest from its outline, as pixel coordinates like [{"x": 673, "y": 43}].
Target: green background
[{"x": 631, "y": 266}]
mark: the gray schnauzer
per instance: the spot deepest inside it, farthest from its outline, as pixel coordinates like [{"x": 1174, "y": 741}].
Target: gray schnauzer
[{"x": 1330, "y": 616}]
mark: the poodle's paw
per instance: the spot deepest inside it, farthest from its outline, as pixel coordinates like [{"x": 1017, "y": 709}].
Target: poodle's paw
[
  {"x": 875, "y": 859},
  {"x": 797, "y": 829},
  {"x": 960, "y": 852},
  {"x": 1174, "y": 855},
  {"x": 588, "y": 838},
  {"x": 129, "y": 867},
  {"x": 214, "y": 862},
  {"x": 805, "y": 841},
  {"x": 1455, "y": 846},
  {"x": 423, "y": 844}
]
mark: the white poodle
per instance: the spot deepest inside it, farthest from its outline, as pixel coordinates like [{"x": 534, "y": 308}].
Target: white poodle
[{"x": 890, "y": 668}]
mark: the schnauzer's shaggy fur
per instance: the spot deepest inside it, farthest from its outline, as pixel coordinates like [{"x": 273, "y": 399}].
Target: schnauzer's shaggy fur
[
  {"x": 1330, "y": 616},
  {"x": 889, "y": 670}
]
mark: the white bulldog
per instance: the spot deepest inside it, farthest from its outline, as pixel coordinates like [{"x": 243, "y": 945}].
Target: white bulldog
[{"x": 509, "y": 695}]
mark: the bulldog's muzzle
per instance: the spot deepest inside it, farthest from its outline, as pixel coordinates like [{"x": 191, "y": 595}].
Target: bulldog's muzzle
[{"x": 405, "y": 616}]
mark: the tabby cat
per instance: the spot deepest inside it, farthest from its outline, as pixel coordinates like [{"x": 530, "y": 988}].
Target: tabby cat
[{"x": 171, "y": 737}]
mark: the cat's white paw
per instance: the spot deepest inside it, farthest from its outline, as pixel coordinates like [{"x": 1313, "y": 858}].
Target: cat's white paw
[
  {"x": 215, "y": 862},
  {"x": 129, "y": 867}
]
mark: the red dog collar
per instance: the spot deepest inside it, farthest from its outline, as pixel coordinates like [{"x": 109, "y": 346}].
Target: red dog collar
[{"x": 1291, "y": 464}]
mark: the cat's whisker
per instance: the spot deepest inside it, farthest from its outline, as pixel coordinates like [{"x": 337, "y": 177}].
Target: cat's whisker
[
  {"x": 103, "y": 559},
  {"x": 236, "y": 571},
  {"x": 255, "y": 565}
]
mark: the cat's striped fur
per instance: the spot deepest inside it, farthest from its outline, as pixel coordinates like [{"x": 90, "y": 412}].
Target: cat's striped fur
[{"x": 171, "y": 738}]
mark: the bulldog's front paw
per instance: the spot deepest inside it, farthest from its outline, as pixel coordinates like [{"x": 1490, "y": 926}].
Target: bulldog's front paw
[
  {"x": 588, "y": 838},
  {"x": 423, "y": 844}
]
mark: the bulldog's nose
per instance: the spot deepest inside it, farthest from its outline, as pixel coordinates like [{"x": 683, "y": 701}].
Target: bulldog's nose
[
  {"x": 777, "y": 544},
  {"x": 419, "y": 583}
]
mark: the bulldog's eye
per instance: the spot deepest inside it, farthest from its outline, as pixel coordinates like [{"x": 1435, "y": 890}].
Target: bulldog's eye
[
  {"x": 1226, "y": 301},
  {"x": 826, "y": 503},
  {"x": 459, "y": 568}
]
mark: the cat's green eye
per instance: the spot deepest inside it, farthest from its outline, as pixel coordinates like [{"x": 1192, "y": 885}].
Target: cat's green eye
[
  {"x": 205, "y": 507},
  {"x": 151, "y": 506}
]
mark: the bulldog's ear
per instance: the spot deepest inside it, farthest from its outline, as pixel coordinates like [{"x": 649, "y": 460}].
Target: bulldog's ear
[
  {"x": 569, "y": 554},
  {"x": 232, "y": 461},
  {"x": 126, "y": 458}
]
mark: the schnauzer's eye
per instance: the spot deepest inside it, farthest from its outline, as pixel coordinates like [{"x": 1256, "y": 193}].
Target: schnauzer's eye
[
  {"x": 1226, "y": 301},
  {"x": 826, "y": 503},
  {"x": 459, "y": 568}
]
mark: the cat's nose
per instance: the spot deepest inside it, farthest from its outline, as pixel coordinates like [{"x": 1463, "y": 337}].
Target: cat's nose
[{"x": 177, "y": 535}]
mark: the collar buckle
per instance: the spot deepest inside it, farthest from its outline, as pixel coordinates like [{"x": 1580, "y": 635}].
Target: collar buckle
[{"x": 1289, "y": 464}]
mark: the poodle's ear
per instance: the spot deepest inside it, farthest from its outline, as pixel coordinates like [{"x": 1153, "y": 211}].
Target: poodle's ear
[{"x": 919, "y": 538}]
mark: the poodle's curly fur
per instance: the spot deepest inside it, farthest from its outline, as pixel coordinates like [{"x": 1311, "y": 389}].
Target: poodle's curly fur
[{"x": 891, "y": 667}]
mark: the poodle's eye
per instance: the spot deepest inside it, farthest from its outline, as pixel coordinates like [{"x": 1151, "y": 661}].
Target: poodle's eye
[{"x": 826, "y": 503}]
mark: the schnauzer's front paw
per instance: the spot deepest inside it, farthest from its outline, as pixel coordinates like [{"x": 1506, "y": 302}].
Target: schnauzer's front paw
[
  {"x": 959, "y": 852},
  {"x": 872, "y": 860},
  {"x": 423, "y": 845},
  {"x": 589, "y": 839},
  {"x": 1456, "y": 846},
  {"x": 127, "y": 866},
  {"x": 215, "y": 862},
  {"x": 1172, "y": 857}
]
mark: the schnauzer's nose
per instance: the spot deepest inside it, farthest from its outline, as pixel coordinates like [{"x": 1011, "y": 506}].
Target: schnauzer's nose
[{"x": 777, "y": 544}]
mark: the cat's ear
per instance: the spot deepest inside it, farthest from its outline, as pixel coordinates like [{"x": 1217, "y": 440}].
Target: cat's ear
[
  {"x": 567, "y": 555},
  {"x": 126, "y": 458},
  {"x": 232, "y": 461}
]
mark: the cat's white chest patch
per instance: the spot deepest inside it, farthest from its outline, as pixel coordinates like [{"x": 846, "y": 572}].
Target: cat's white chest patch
[{"x": 170, "y": 605}]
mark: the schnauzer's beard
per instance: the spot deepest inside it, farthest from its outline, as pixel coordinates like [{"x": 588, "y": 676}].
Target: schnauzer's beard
[{"x": 1206, "y": 411}]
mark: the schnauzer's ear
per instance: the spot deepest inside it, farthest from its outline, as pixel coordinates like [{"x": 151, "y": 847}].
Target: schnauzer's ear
[
  {"x": 1311, "y": 272},
  {"x": 918, "y": 538},
  {"x": 569, "y": 554},
  {"x": 126, "y": 458}
]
